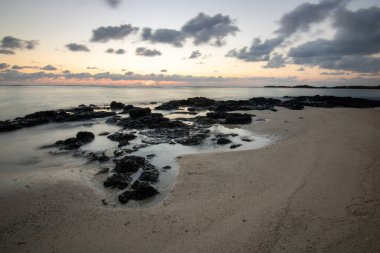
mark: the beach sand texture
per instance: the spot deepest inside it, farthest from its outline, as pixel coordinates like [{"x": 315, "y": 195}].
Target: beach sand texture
[{"x": 317, "y": 189}]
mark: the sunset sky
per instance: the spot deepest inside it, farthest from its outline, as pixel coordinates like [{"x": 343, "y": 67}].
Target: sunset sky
[{"x": 171, "y": 42}]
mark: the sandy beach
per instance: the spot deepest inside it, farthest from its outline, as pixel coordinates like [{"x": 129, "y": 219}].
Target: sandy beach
[{"x": 316, "y": 189}]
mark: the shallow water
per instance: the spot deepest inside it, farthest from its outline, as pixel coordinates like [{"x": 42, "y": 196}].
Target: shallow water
[{"x": 21, "y": 152}]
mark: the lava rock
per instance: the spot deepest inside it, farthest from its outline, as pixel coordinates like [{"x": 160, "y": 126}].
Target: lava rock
[
  {"x": 138, "y": 112},
  {"x": 238, "y": 118},
  {"x": 120, "y": 181},
  {"x": 233, "y": 146},
  {"x": 223, "y": 141},
  {"x": 85, "y": 137},
  {"x": 139, "y": 191},
  {"x": 116, "y": 105},
  {"x": 150, "y": 175},
  {"x": 103, "y": 171},
  {"x": 131, "y": 163}
]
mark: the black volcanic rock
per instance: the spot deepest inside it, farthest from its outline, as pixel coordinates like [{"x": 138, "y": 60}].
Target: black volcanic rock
[
  {"x": 200, "y": 102},
  {"x": 117, "y": 105},
  {"x": 122, "y": 138},
  {"x": 238, "y": 118},
  {"x": 150, "y": 175},
  {"x": 85, "y": 137},
  {"x": 138, "y": 112},
  {"x": 223, "y": 141},
  {"x": 120, "y": 181},
  {"x": 132, "y": 163},
  {"x": 139, "y": 191}
]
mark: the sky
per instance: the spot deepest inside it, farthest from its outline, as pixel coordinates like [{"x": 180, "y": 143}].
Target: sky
[{"x": 205, "y": 43}]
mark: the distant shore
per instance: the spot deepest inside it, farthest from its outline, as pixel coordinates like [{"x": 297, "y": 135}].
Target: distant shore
[
  {"x": 355, "y": 87},
  {"x": 316, "y": 189}
]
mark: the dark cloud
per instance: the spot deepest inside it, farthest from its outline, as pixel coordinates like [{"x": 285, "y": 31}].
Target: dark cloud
[
  {"x": 142, "y": 51},
  {"x": 195, "y": 54},
  {"x": 210, "y": 29},
  {"x": 9, "y": 44},
  {"x": 120, "y": 51},
  {"x": 49, "y": 68},
  {"x": 202, "y": 29},
  {"x": 15, "y": 43},
  {"x": 299, "y": 19},
  {"x": 301, "y": 69},
  {"x": 113, "y": 3},
  {"x": 6, "y": 51},
  {"x": 66, "y": 72},
  {"x": 106, "y": 33},
  {"x": 355, "y": 41},
  {"x": 168, "y": 36},
  {"x": 114, "y": 51},
  {"x": 304, "y": 15},
  {"x": 77, "y": 47},
  {"x": 163, "y": 71},
  {"x": 92, "y": 68},
  {"x": 259, "y": 51},
  {"x": 276, "y": 61},
  {"x": 24, "y": 67},
  {"x": 333, "y": 73},
  {"x": 3, "y": 66}
]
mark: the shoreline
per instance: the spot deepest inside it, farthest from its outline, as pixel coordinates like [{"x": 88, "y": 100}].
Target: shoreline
[{"x": 315, "y": 189}]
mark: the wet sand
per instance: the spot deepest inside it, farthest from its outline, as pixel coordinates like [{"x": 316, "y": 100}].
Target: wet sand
[{"x": 317, "y": 189}]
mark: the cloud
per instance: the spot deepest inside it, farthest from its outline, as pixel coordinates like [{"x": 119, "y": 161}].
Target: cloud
[
  {"x": 276, "y": 61},
  {"x": 113, "y": 3},
  {"x": 6, "y": 51},
  {"x": 306, "y": 14},
  {"x": 77, "y": 47},
  {"x": 113, "y": 51},
  {"x": 66, "y": 72},
  {"x": 9, "y": 44},
  {"x": 120, "y": 51},
  {"x": 333, "y": 73},
  {"x": 107, "y": 33},
  {"x": 163, "y": 71},
  {"x": 355, "y": 41},
  {"x": 300, "y": 69},
  {"x": 299, "y": 19},
  {"x": 13, "y": 76},
  {"x": 3, "y": 66},
  {"x": 210, "y": 29},
  {"x": 24, "y": 67},
  {"x": 92, "y": 68},
  {"x": 49, "y": 68},
  {"x": 202, "y": 29},
  {"x": 195, "y": 54},
  {"x": 142, "y": 51},
  {"x": 168, "y": 36},
  {"x": 259, "y": 51},
  {"x": 15, "y": 43}
]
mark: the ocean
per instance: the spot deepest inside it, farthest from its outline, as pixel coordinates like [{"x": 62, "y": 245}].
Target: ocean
[
  {"x": 16, "y": 101},
  {"x": 21, "y": 150}
]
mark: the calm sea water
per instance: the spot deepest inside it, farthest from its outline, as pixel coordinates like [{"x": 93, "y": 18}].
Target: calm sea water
[
  {"x": 20, "y": 150},
  {"x": 18, "y": 101}
]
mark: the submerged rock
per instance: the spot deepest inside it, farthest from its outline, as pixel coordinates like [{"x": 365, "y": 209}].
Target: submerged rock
[
  {"x": 233, "y": 146},
  {"x": 238, "y": 118},
  {"x": 139, "y": 191},
  {"x": 150, "y": 175}
]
